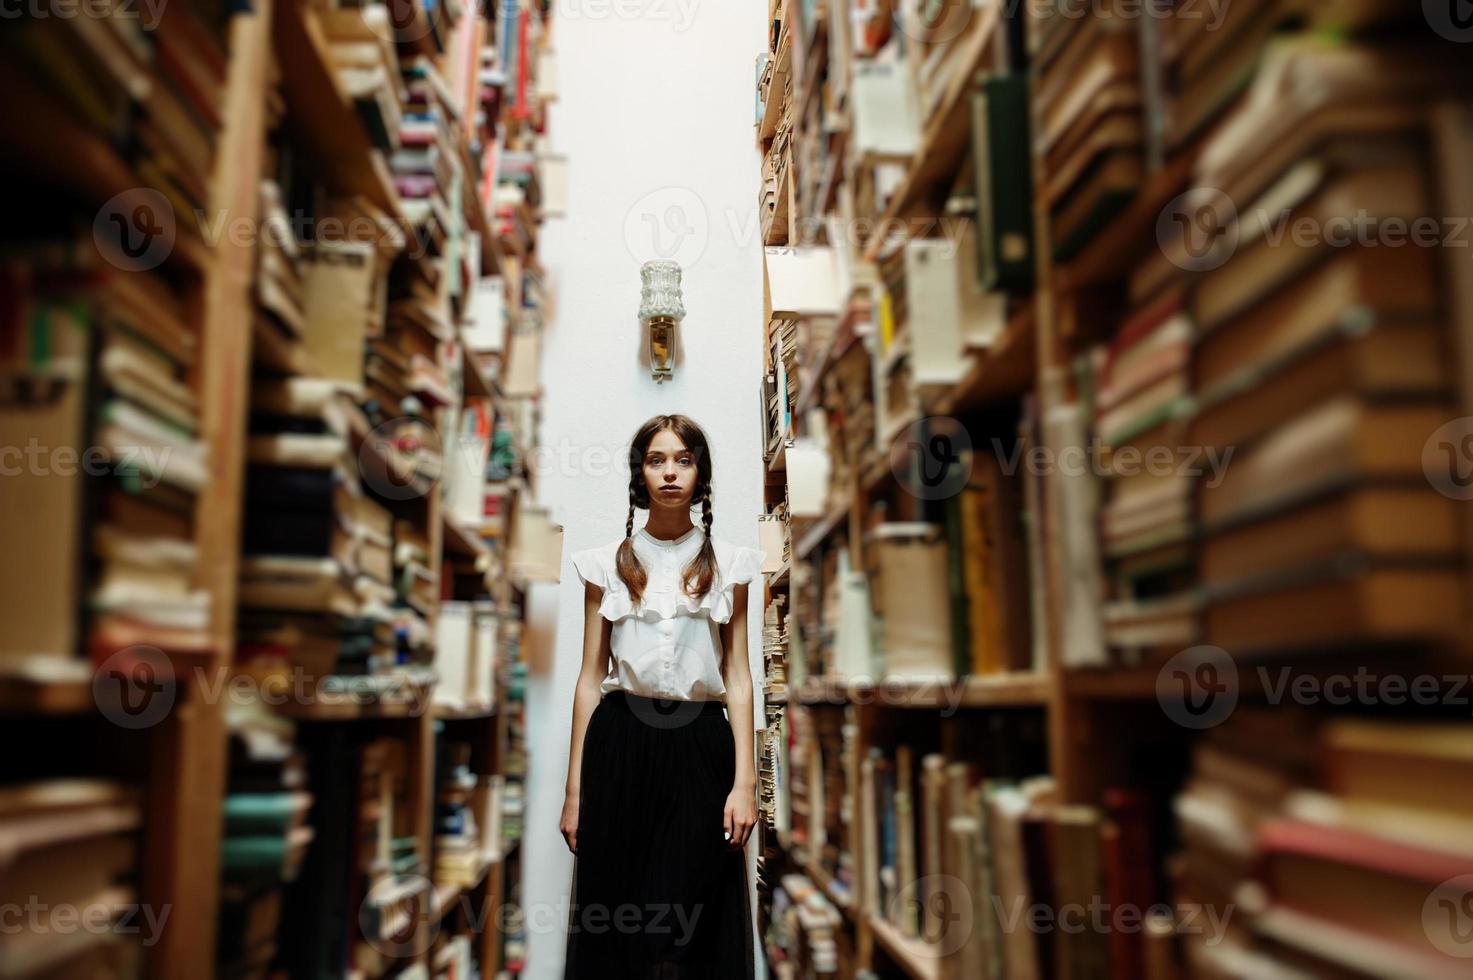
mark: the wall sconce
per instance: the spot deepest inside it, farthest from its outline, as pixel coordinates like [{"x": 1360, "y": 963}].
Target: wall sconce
[{"x": 660, "y": 310}]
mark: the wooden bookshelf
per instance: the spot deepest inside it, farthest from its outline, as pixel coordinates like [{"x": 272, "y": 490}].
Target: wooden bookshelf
[
  {"x": 1105, "y": 713},
  {"x": 180, "y": 765}
]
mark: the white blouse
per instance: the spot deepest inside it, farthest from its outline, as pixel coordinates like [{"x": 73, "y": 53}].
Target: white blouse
[{"x": 668, "y": 645}]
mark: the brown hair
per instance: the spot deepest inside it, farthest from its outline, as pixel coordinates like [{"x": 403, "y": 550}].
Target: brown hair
[{"x": 700, "y": 574}]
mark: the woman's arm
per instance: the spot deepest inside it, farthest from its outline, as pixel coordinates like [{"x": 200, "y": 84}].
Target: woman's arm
[
  {"x": 596, "y": 652},
  {"x": 741, "y": 805}
]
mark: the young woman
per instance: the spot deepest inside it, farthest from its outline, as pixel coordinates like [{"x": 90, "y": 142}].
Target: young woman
[{"x": 661, "y": 794}]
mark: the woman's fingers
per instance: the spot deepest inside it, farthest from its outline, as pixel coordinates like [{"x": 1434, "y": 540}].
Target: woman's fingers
[{"x": 728, "y": 825}]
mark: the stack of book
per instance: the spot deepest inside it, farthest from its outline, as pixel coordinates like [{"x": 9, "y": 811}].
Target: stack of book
[
  {"x": 265, "y": 840},
  {"x": 782, "y": 393},
  {"x": 832, "y": 833},
  {"x": 459, "y": 856},
  {"x": 71, "y": 844},
  {"x": 276, "y": 339},
  {"x": 807, "y": 935},
  {"x": 416, "y": 590},
  {"x": 1141, "y": 395},
  {"x": 516, "y": 224},
  {"x": 1319, "y": 360},
  {"x": 803, "y": 766},
  {"x": 147, "y": 424},
  {"x": 846, "y": 396},
  {"x": 987, "y": 571},
  {"x": 774, "y": 201},
  {"x": 95, "y": 377},
  {"x": 1376, "y": 868},
  {"x": 895, "y": 397},
  {"x": 775, "y": 689},
  {"x": 465, "y": 656},
  {"x": 912, "y": 599},
  {"x": 388, "y": 871},
  {"x": 1091, "y": 119},
  {"x": 316, "y": 547},
  {"x": 513, "y": 809},
  {"x": 367, "y": 63},
  {"x": 1211, "y": 58},
  {"x": 427, "y": 169},
  {"x": 152, "y": 94},
  {"x": 1242, "y": 775},
  {"x": 489, "y": 794}
]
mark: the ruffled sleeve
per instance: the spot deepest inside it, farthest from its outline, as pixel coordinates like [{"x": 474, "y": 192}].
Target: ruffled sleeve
[
  {"x": 738, "y": 565},
  {"x": 589, "y": 565},
  {"x": 595, "y": 566}
]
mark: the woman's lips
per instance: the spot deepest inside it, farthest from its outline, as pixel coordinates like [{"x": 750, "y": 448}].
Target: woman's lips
[{"x": 669, "y": 489}]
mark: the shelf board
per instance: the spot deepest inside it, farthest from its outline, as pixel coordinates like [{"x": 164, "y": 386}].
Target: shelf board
[
  {"x": 944, "y": 143},
  {"x": 346, "y": 706},
  {"x": 446, "y": 894},
  {"x": 323, "y": 116},
  {"x": 779, "y": 578},
  {"x": 825, "y": 883},
  {"x": 816, "y": 534},
  {"x": 1020, "y": 689},
  {"x": 779, "y": 461},
  {"x": 475, "y": 210},
  {"x": 459, "y": 540},
  {"x": 1006, "y": 689},
  {"x": 30, "y": 696},
  {"x": 914, "y": 956},
  {"x": 478, "y": 384},
  {"x": 444, "y": 712},
  {"x": 1005, "y": 370}
]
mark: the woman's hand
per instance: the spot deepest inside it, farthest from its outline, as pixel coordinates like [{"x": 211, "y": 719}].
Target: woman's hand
[
  {"x": 568, "y": 824},
  {"x": 740, "y": 816}
]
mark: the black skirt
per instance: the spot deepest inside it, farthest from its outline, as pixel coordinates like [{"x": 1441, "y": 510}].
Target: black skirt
[{"x": 658, "y": 893}]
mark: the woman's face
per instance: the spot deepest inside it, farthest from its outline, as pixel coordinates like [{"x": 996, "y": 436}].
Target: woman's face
[{"x": 669, "y": 472}]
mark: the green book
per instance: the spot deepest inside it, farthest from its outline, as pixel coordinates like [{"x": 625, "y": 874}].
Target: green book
[
  {"x": 956, "y": 581},
  {"x": 1004, "y": 179},
  {"x": 254, "y": 854},
  {"x": 262, "y": 813}
]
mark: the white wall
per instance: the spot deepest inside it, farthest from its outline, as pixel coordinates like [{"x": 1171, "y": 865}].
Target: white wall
[{"x": 655, "y": 115}]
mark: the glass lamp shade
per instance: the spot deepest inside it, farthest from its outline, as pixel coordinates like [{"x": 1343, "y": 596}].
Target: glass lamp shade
[{"x": 659, "y": 295}]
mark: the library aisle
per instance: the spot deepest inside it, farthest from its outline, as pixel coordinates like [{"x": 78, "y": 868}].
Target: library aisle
[{"x": 1094, "y": 376}]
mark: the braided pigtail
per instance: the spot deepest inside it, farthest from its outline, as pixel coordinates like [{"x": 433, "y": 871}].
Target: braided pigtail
[
  {"x": 700, "y": 574},
  {"x": 626, "y": 563}
]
